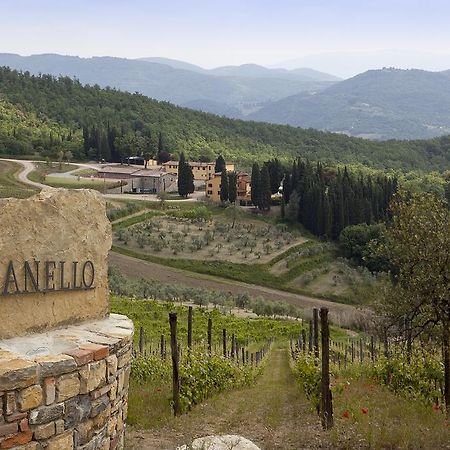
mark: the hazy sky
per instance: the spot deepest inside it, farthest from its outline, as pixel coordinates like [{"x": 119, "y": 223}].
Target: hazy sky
[{"x": 219, "y": 32}]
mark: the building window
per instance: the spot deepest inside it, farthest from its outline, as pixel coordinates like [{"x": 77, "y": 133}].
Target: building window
[{"x": 209, "y": 192}]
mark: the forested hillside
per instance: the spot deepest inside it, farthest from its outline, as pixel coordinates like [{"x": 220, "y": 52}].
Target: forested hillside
[
  {"x": 244, "y": 88},
  {"x": 109, "y": 118},
  {"x": 378, "y": 104}
]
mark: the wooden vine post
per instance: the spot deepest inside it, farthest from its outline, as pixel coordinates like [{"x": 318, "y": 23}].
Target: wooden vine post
[
  {"x": 163, "y": 347},
  {"x": 316, "y": 332},
  {"x": 224, "y": 342},
  {"x": 310, "y": 337},
  {"x": 304, "y": 339},
  {"x": 141, "y": 340},
  {"x": 189, "y": 336},
  {"x": 175, "y": 364},
  {"x": 326, "y": 407},
  {"x": 210, "y": 335}
]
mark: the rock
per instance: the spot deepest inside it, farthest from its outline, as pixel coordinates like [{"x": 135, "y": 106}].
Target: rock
[
  {"x": 57, "y": 231},
  {"x": 225, "y": 442},
  {"x": 8, "y": 428},
  {"x": 44, "y": 431},
  {"x": 50, "y": 390},
  {"x": 92, "y": 376},
  {"x": 30, "y": 398},
  {"x": 17, "y": 373},
  {"x": 61, "y": 442},
  {"x": 46, "y": 414},
  {"x": 99, "y": 405},
  {"x": 54, "y": 365},
  {"x": 68, "y": 386},
  {"x": 77, "y": 410}
]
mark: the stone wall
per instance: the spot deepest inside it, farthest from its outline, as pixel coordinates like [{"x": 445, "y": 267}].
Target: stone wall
[{"x": 68, "y": 388}]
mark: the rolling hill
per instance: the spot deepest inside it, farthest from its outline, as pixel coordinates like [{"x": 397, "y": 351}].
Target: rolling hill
[
  {"x": 61, "y": 108},
  {"x": 235, "y": 89},
  {"x": 378, "y": 104}
]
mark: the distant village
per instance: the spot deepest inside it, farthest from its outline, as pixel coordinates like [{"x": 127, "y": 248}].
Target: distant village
[{"x": 148, "y": 177}]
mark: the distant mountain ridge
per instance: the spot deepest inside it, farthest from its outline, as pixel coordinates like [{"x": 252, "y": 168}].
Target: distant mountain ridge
[
  {"x": 43, "y": 114},
  {"x": 241, "y": 89},
  {"x": 378, "y": 104}
]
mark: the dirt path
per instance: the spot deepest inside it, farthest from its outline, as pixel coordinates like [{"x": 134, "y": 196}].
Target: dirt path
[
  {"x": 133, "y": 267},
  {"x": 273, "y": 413},
  {"x": 29, "y": 166}
]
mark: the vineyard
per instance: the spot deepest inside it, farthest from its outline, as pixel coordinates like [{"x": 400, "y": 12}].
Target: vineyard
[{"x": 378, "y": 389}]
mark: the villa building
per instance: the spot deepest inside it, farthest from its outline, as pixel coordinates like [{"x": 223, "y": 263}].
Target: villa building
[
  {"x": 202, "y": 171},
  {"x": 213, "y": 186}
]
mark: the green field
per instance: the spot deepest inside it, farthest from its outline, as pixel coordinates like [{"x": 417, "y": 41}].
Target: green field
[
  {"x": 82, "y": 183},
  {"x": 9, "y": 185}
]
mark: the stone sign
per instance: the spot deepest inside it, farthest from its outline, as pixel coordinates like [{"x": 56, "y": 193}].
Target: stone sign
[
  {"x": 65, "y": 362},
  {"x": 53, "y": 268}
]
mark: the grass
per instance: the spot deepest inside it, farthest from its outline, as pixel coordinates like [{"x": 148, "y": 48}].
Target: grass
[
  {"x": 389, "y": 422},
  {"x": 73, "y": 183},
  {"x": 258, "y": 274},
  {"x": 9, "y": 185},
  {"x": 85, "y": 172},
  {"x": 43, "y": 169}
]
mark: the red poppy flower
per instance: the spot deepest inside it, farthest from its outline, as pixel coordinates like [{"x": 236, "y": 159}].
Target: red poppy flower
[
  {"x": 346, "y": 414},
  {"x": 364, "y": 410}
]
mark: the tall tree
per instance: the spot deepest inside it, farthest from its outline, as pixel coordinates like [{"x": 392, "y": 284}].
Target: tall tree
[
  {"x": 185, "y": 177},
  {"x": 265, "y": 189},
  {"x": 224, "y": 186},
  {"x": 417, "y": 244},
  {"x": 292, "y": 207},
  {"x": 220, "y": 164},
  {"x": 276, "y": 175},
  {"x": 287, "y": 187},
  {"x": 232, "y": 186},
  {"x": 255, "y": 185},
  {"x": 162, "y": 154}
]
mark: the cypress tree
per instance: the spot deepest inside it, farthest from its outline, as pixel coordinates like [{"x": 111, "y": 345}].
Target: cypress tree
[
  {"x": 232, "y": 187},
  {"x": 86, "y": 139},
  {"x": 220, "y": 165},
  {"x": 276, "y": 175},
  {"x": 224, "y": 186},
  {"x": 265, "y": 189},
  {"x": 287, "y": 187},
  {"x": 185, "y": 177},
  {"x": 160, "y": 156},
  {"x": 292, "y": 207},
  {"x": 255, "y": 185}
]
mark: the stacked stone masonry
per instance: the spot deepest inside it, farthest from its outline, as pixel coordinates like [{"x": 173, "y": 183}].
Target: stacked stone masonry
[{"x": 69, "y": 393}]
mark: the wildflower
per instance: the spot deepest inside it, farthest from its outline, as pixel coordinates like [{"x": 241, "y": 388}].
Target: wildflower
[
  {"x": 364, "y": 410},
  {"x": 346, "y": 414}
]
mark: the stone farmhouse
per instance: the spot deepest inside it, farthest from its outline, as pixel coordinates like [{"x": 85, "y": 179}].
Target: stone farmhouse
[
  {"x": 202, "y": 171},
  {"x": 145, "y": 181}
]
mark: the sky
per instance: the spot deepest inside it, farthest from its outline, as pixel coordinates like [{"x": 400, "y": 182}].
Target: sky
[{"x": 212, "y": 33}]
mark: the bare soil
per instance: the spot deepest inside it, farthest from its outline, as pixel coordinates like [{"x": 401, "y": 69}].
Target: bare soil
[{"x": 341, "y": 314}]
